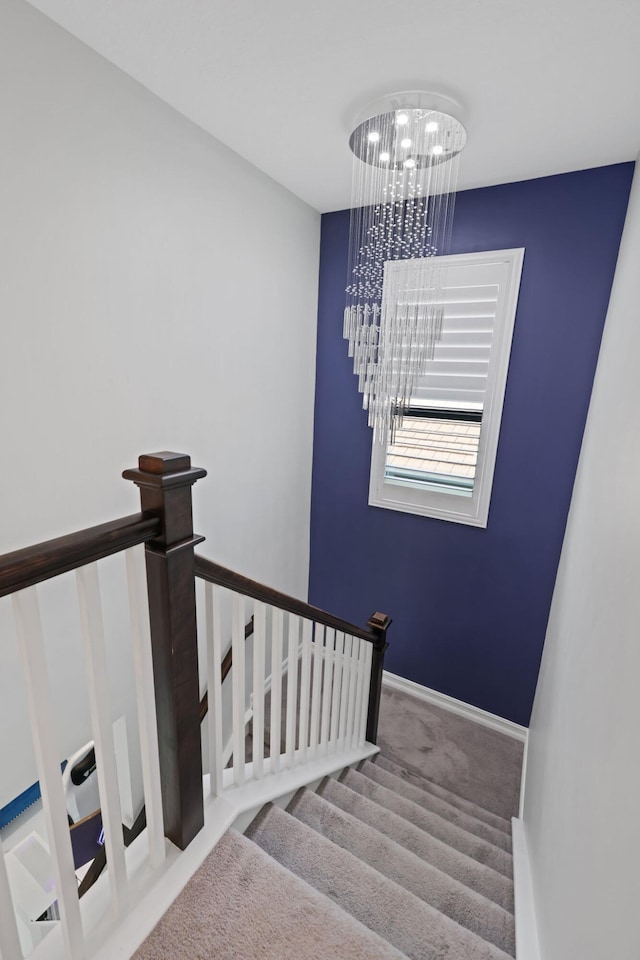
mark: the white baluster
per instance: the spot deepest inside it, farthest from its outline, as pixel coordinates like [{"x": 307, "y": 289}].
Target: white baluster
[
  {"x": 276, "y": 688},
  {"x": 9, "y": 939},
  {"x": 93, "y": 638},
  {"x": 351, "y": 706},
  {"x": 359, "y": 690},
  {"x": 344, "y": 693},
  {"x": 238, "y": 693},
  {"x": 146, "y": 702},
  {"x": 47, "y": 754},
  {"x": 326, "y": 690},
  {"x": 368, "y": 657},
  {"x": 305, "y": 685},
  {"x": 318, "y": 648},
  {"x": 259, "y": 632},
  {"x": 213, "y": 621},
  {"x": 337, "y": 690},
  {"x": 292, "y": 687}
]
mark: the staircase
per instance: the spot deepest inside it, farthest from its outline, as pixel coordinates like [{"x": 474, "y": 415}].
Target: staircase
[{"x": 380, "y": 863}]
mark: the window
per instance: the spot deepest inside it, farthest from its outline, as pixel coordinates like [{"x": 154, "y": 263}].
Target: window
[{"x": 440, "y": 462}]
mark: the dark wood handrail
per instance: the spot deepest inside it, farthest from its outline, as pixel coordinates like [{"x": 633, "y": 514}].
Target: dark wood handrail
[
  {"x": 31, "y": 565},
  {"x": 215, "y": 573}
]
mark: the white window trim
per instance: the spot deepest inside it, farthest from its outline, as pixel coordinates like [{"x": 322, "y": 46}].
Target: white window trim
[{"x": 449, "y": 505}]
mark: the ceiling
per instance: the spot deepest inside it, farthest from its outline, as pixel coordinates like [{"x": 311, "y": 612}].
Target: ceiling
[{"x": 548, "y": 85}]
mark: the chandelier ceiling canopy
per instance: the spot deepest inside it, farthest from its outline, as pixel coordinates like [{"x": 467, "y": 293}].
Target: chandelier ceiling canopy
[{"x": 405, "y": 149}]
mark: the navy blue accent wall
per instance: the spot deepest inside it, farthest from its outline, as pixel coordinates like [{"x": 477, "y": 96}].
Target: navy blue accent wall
[{"x": 469, "y": 605}]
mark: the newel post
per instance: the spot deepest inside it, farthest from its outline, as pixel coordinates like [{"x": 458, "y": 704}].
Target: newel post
[
  {"x": 378, "y": 623},
  {"x": 165, "y": 480}
]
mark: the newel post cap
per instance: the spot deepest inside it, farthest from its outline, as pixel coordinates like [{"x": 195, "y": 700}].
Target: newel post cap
[
  {"x": 379, "y": 622},
  {"x": 164, "y": 469}
]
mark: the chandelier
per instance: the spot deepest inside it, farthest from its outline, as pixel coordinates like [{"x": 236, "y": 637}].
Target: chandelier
[{"x": 405, "y": 150}]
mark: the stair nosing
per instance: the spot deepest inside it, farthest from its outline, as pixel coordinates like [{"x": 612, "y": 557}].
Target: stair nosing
[
  {"x": 475, "y": 900},
  {"x": 420, "y": 905},
  {"x": 472, "y": 838},
  {"x": 438, "y": 789},
  {"x": 460, "y": 818},
  {"x": 501, "y": 879}
]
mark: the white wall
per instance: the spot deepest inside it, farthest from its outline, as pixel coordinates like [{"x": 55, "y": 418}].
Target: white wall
[
  {"x": 583, "y": 774},
  {"x": 156, "y": 292}
]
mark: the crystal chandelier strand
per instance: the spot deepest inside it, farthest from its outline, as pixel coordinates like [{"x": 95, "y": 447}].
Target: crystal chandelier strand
[{"x": 404, "y": 176}]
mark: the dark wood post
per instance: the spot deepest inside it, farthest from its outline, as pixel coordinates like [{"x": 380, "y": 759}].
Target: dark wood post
[
  {"x": 165, "y": 480},
  {"x": 378, "y": 623}
]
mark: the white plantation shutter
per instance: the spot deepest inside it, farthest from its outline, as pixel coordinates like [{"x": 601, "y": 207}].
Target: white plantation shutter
[
  {"x": 457, "y": 375},
  {"x": 442, "y": 465}
]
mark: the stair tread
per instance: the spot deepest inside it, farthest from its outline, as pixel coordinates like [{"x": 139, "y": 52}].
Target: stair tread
[
  {"x": 491, "y": 884},
  {"x": 466, "y": 906},
  {"x": 476, "y": 847},
  {"x": 430, "y": 786},
  {"x": 430, "y": 801},
  {"x": 411, "y": 925},
  {"x": 241, "y": 904}
]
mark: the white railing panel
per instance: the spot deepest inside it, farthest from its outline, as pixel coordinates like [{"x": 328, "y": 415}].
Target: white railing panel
[
  {"x": 351, "y": 704},
  {"x": 146, "y": 702},
  {"x": 321, "y": 712},
  {"x": 93, "y": 638},
  {"x": 368, "y": 658},
  {"x": 318, "y": 649},
  {"x": 275, "y": 733},
  {"x": 47, "y": 754},
  {"x": 292, "y": 688},
  {"x": 344, "y": 692},
  {"x": 326, "y": 689},
  {"x": 338, "y": 659},
  {"x": 213, "y": 622},
  {"x": 9, "y": 938},
  {"x": 259, "y": 640},
  {"x": 305, "y": 687},
  {"x": 238, "y": 692},
  {"x": 359, "y": 691}
]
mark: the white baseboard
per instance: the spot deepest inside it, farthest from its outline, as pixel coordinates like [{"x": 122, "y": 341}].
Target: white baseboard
[
  {"x": 462, "y": 709},
  {"x": 527, "y": 941},
  {"x": 523, "y": 779}
]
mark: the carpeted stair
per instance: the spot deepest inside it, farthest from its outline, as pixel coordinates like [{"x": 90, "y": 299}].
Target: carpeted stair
[{"x": 380, "y": 863}]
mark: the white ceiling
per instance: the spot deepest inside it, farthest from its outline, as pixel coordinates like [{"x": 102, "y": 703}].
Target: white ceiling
[{"x": 548, "y": 85}]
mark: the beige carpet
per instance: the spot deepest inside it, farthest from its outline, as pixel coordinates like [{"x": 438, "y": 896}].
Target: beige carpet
[
  {"x": 406, "y": 868},
  {"x": 477, "y": 763},
  {"x": 408, "y": 856},
  {"x": 242, "y": 905},
  {"x": 476, "y": 876}
]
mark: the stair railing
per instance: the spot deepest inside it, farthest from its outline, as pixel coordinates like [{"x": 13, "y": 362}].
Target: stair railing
[
  {"x": 332, "y": 670},
  {"x": 20, "y": 572},
  {"x": 100, "y": 862},
  {"x": 164, "y": 648}
]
